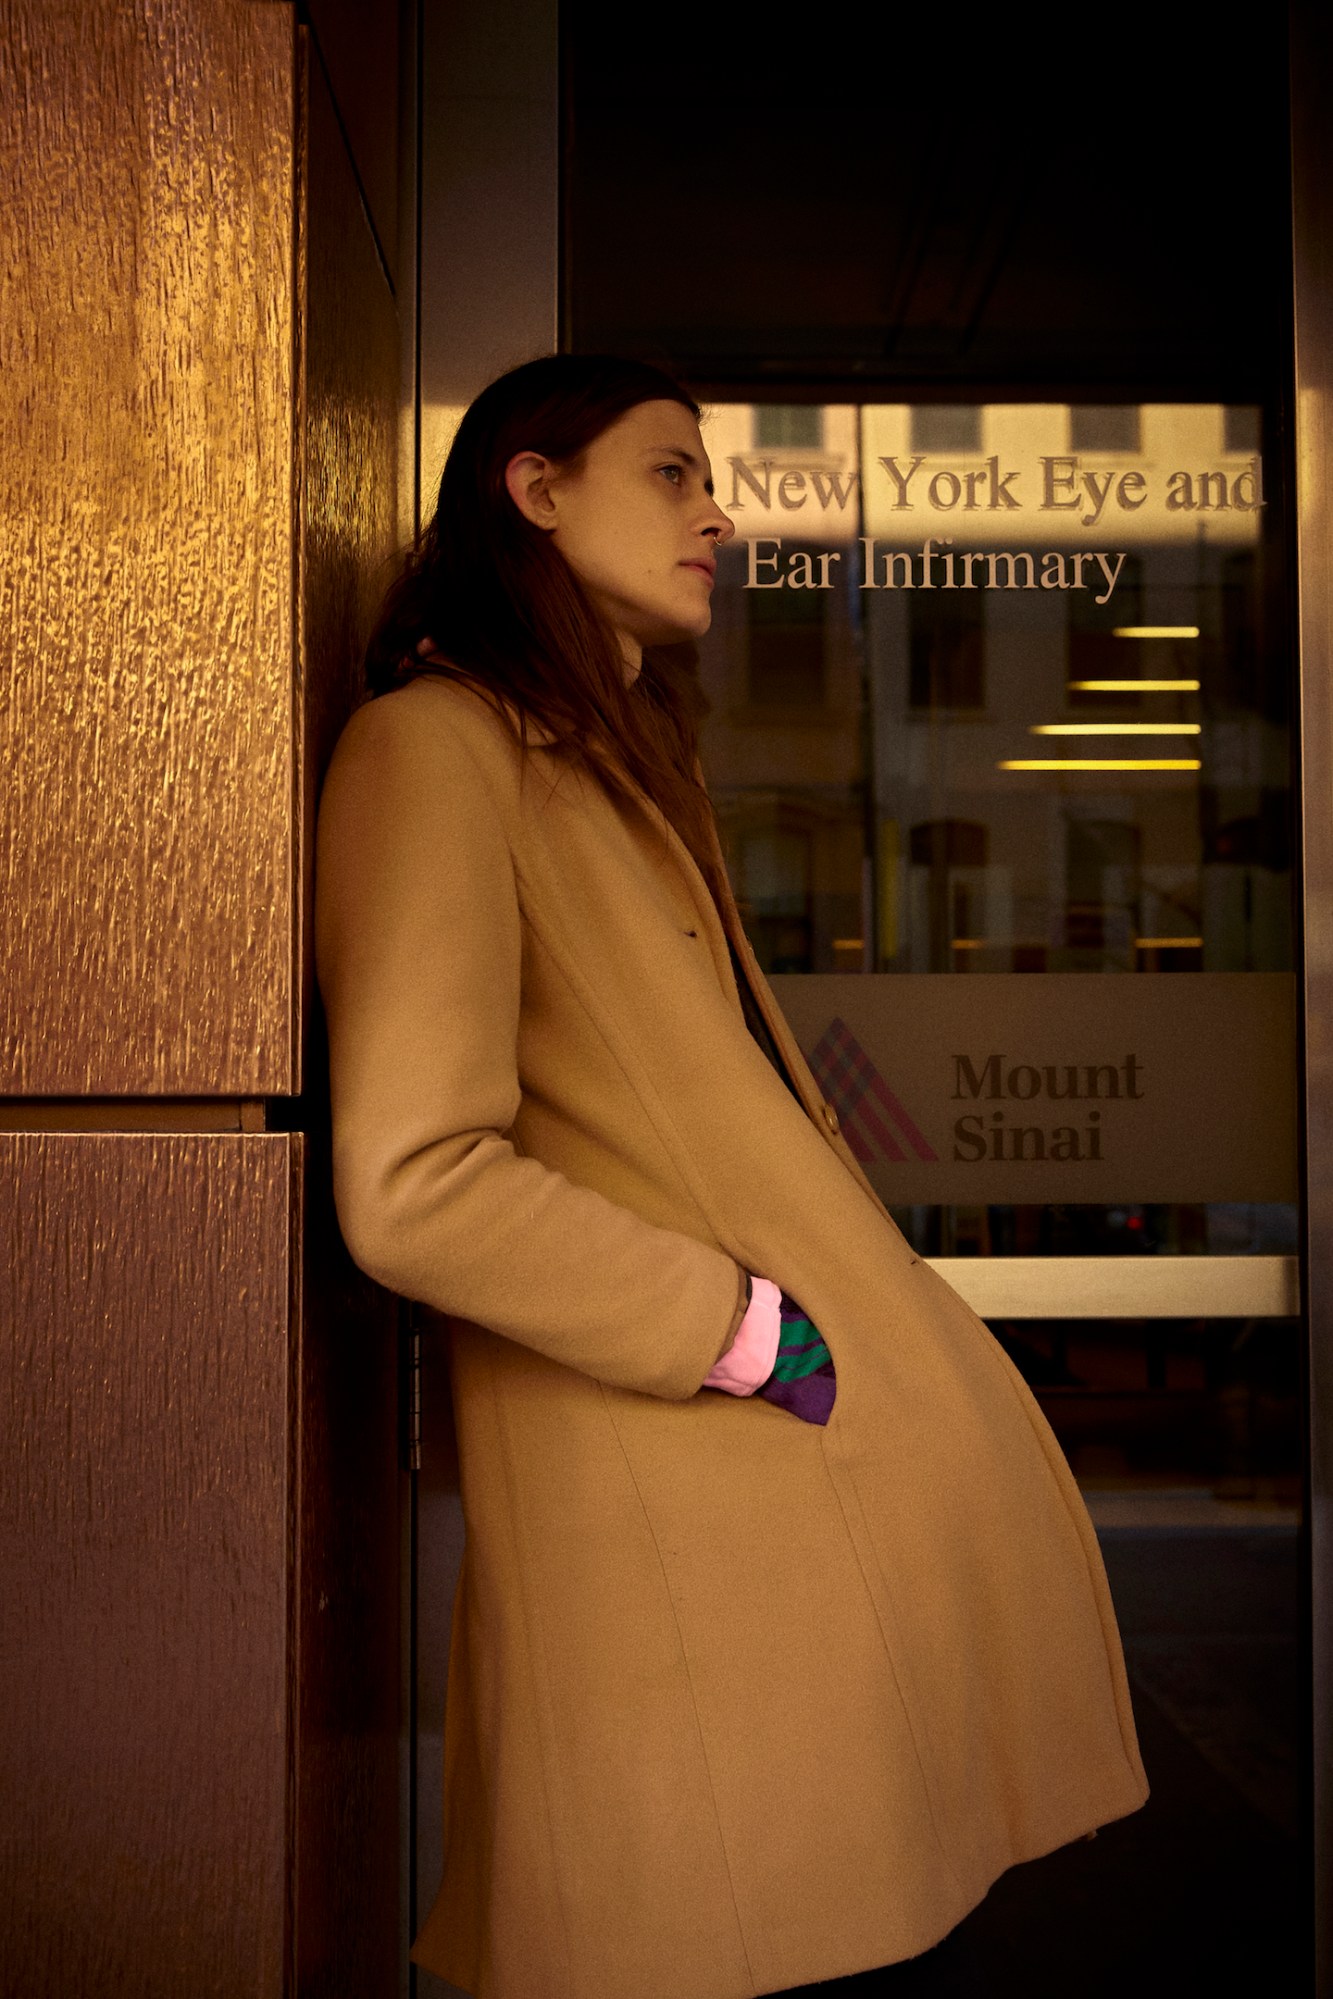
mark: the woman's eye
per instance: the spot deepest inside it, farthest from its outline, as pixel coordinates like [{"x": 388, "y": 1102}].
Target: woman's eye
[{"x": 672, "y": 472}]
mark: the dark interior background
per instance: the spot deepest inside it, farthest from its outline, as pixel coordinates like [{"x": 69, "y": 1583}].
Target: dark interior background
[{"x": 1043, "y": 200}]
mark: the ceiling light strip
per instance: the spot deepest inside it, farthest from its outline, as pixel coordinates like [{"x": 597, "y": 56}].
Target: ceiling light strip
[
  {"x": 1134, "y": 686},
  {"x": 1155, "y": 632},
  {"x": 1115, "y": 729},
  {"x": 1100, "y": 763}
]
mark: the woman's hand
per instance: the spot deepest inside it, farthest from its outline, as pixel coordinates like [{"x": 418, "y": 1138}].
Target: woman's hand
[{"x": 779, "y": 1354}]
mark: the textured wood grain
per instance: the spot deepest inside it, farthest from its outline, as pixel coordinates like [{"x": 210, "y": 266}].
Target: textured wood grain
[
  {"x": 199, "y": 1527},
  {"x": 349, "y": 424},
  {"x": 144, "y": 1342},
  {"x": 146, "y": 450}
]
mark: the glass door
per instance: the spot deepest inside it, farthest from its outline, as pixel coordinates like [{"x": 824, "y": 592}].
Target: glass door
[{"x": 1001, "y": 740}]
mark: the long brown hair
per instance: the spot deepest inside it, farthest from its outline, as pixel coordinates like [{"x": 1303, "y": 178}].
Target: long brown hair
[{"x": 507, "y": 615}]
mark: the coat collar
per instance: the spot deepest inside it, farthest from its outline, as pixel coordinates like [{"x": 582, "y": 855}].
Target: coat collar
[{"x": 720, "y": 924}]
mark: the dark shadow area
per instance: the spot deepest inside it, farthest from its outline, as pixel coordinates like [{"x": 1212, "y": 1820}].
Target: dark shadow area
[
  {"x": 1205, "y": 1890},
  {"x": 892, "y": 197}
]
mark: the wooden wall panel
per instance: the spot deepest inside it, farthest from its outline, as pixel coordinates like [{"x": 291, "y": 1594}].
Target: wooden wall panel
[
  {"x": 199, "y": 1532},
  {"x": 145, "y": 1304},
  {"x": 146, "y": 455},
  {"x": 348, "y": 499}
]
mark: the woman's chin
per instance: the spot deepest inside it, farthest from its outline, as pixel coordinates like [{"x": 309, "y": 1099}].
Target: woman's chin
[
  {"x": 692, "y": 624},
  {"x": 676, "y": 631}
]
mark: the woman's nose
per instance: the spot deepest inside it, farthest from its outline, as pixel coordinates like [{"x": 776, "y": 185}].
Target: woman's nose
[{"x": 720, "y": 526}]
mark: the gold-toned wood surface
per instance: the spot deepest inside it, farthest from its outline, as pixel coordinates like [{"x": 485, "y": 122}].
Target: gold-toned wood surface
[
  {"x": 348, "y": 497},
  {"x": 201, "y": 1671},
  {"x": 145, "y": 1307},
  {"x": 146, "y": 451}
]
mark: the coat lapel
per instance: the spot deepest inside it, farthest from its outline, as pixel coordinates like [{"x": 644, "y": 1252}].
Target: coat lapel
[{"x": 723, "y": 926}]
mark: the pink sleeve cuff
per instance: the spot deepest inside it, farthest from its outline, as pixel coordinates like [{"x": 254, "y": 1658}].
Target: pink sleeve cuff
[{"x": 752, "y": 1355}]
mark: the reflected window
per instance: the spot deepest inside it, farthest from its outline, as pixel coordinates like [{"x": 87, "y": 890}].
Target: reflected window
[
  {"x": 1240, "y": 427},
  {"x": 1104, "y": 427},
  {"x": 789, "y": 426},
  {"x": 946, "y": 651},
  {"x": 949, "y": 856},
  {"x": 946, "y": 427},
  {"x": 775, "y": 870},
  {"x": 1102, "y": 870},
  {"x": 1099, "y": 651},
  {"x": 787, "y": 649}
]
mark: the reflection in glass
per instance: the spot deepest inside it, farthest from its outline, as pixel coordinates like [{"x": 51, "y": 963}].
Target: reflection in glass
[
  {"x": 1069, "y": 650},
  {"x": 1004, "y": 759},
  {"x": 789, "y": 426},
  {"x": 946, "y": 427},
  {"x": 1104, "y": 427},
  {"x": 1054, "y": 738}
]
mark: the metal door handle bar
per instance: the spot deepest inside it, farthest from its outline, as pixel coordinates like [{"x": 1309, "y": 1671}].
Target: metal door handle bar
[{"x": 1125, "y": 1287}]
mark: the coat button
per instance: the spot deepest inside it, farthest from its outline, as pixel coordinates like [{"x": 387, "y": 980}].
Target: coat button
[{"x": 831, "y": 1118}]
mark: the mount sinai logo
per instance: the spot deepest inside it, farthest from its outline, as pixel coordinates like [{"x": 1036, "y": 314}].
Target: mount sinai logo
[
  {"x": 878, "y": 1126},
  {"x": 875, "y": 1124}
]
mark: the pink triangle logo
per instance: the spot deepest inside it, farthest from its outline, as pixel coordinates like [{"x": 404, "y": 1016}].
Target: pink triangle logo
[{"x": 874, "y": 1123}]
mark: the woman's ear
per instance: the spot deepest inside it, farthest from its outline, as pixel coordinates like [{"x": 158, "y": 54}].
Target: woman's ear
[{"x": 528, "y": 476}]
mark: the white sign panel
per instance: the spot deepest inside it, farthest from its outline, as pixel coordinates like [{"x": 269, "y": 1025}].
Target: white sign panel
[{"x": 1058, "y": 1087}]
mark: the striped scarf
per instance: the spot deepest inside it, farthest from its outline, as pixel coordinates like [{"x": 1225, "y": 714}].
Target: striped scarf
[{"x": 802, "y": 1379}]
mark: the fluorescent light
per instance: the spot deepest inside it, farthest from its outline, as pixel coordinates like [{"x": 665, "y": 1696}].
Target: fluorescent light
[
  {"x": 1135, "y": 686},
  {"x": 1155, "y": 632},
  {"x": 1168, "y": 943},
  {"x": 1104, "y": 762},
  {"x": 969, "y": 943},
  {"x": 1115, "y": 729},
  {"x": 849, "y": 944}
]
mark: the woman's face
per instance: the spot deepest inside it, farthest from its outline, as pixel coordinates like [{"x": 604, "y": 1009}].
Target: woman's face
[{"x": 635, "y": 519}]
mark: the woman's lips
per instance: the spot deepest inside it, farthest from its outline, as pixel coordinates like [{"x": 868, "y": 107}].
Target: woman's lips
[{"x": 707, "y": 569}]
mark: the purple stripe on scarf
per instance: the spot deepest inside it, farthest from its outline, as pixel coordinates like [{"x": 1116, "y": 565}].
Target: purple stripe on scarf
[{"x": 810, "y": 1398}]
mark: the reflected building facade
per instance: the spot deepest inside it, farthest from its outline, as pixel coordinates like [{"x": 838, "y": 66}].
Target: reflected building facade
[{"x": 944, "y": 738}]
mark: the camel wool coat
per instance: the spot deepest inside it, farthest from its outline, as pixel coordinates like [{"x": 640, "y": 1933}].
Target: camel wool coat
[{"x": 735, "y": 1702}]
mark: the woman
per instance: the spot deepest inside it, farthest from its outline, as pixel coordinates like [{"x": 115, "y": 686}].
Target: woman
[{"x": 742, "y": 1695}]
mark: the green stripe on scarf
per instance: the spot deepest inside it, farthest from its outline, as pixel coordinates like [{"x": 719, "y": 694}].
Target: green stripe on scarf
[{"x": 801, "y": 1351}]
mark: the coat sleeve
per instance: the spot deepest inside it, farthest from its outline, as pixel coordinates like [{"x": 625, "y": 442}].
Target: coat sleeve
[{"x": 417, "y": 953}]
